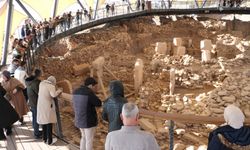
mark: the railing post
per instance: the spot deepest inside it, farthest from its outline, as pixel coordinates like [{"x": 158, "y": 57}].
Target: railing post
[
  {"x": 171, "y": 135},
  {"x": 58, "y": 124}
]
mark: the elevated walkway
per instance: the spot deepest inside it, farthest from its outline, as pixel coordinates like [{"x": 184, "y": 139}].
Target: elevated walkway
[
  {"x": 22, "y": 139},
  {"x": 93, "y": 23}
]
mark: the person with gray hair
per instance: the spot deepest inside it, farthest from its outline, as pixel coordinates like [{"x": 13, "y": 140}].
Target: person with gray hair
[
  {"x": 130, "y": 137},
  {"x": 46, "y": 113}
]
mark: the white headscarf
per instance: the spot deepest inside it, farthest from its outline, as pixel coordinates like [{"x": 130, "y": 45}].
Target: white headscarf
[
  {"x": 234, "y": 116},
  {"x": 52, "y": 80}
]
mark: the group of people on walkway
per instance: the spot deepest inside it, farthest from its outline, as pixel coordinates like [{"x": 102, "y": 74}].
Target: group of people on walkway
[
  {"x": 230, "y": 3},
  {"x": 20, "y": 93}
]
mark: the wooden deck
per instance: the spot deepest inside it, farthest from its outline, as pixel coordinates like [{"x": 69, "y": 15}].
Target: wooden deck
[{"x": 22, "y": 139}]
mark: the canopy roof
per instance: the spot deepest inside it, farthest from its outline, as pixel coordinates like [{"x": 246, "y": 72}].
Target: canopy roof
[{"x": 41, "y": 9}]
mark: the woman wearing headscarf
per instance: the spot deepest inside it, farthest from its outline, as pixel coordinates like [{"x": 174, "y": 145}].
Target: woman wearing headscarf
[
  {"x": 6, "y": 110},
  {"x": 233, "y": 132},
  {"x": 46, "y": 113},
  {"x": 14, "y": 94}
]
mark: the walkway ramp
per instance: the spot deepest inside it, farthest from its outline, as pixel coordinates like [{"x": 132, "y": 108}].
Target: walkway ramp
[{"x": 22, "y": 139}]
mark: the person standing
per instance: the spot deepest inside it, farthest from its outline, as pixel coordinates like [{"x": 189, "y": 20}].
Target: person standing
[
  {"x": 130, "y": 137},
  {"x": 84, "y": 103},
  {"x": 20, "y": 74},
  {"x": 112, "y": 107},
  {"x": 6, "y": 110},
  {"x": 14, "y": 94},
  {"x": 32, "y": 83},
  {"x": 46, "y": 113}
]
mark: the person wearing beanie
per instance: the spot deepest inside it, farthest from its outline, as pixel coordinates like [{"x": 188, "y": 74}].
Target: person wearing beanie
[
  {"x": 234, "y": 132},
  {"x": 84, "y": 103},
  {"x": 32, "y": 84},
  {"x": 14, "y": 94},
  {"x": 112, "y": 107},
  {"x": 46, "y": 111}
]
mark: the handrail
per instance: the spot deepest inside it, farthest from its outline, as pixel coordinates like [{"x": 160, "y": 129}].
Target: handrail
[
  {"x": 183, "y": 118},
  {"x": 195, "y": 119}
]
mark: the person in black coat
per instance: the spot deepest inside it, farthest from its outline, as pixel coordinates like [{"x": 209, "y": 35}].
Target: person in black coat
[
  {"x": 6, "y": 110},
  {"x": 84, "y": 102}
]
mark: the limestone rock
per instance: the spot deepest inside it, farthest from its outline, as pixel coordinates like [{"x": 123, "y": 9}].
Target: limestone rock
[
  {"x": 179, "y": 146},
  {"x": 222, "y": 93},
  {"x": 81, "y": 69},
  {"x": 65, "y": 85},
  {"x": 229, "y": 99},
  {"x": 195, "y": 139},
  {"x": 147, "y": 125},
  {"x": 177, "y": 41},
  {"x": 217, "y": 110},
  {"x": 247, "y": 88},
  {"x": 202, "y": 147},
  {"x": 247, "y": 113},
  {"x": 161, "y": 48},
  {"x": 206, "y": 44}
]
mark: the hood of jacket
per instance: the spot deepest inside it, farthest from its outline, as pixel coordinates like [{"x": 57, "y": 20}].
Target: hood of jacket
[
  {"x": 116, "y": 88},
  {"x": 29, "y": 80}
]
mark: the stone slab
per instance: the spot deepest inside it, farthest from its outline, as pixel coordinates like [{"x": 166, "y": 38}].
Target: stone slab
[
  {"x": 205, "y": 55},
  {"x": 206, "y": 44},
  {"x": 81, "y": 69},
  {"x": 65, "y": 85},
  {"x": 147, "y": 125},
  {"x": 177, "y": 41},
  {"x": 180, "y": 51},
  {"x": 161, "y": 48}
]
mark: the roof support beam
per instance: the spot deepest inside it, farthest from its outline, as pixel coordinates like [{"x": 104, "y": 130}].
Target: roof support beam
[
  {"x": 55, "y": 8},
  {"x": 26, "y": 11},
  {"x": 196, "y": 3},
  {"x": 7, "y": 31},
  {"x": 204, "y": 3},
  {"x": 80, "y": 4},
  {"x": 96, "y": 6}
]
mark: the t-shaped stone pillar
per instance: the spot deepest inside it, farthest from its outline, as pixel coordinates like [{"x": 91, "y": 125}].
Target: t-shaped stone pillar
[
  {"x": 138, "y": 74},
  {"x": 97, "y": 65},
  {"x": 206, "y": 47}
]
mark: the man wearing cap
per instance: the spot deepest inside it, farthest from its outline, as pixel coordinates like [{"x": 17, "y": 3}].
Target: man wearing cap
[{"x": 84, "y": 103}]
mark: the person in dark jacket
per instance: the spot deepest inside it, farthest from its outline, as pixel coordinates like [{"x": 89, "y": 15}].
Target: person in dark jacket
[
  {"x": 234, "y": 132},
  {"x": 84, "y": 103},
  {"x": 8, "y": 115},
  {"x": 32, "y": 83},
  {"x": 112, "y": 107}
]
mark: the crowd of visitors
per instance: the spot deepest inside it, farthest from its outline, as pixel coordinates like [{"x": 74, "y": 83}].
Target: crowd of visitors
[{"x": 230, "y": 3}]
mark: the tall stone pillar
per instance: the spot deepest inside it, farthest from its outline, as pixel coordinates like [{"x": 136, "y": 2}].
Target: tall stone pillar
[
  {"x": 172, "y": 81},
  {"x": 206, "y": 47},
  {"x": 138, "y": 74}
]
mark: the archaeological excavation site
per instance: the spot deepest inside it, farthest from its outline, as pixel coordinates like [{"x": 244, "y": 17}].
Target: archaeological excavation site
[{"x": 180, "y": 65}]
